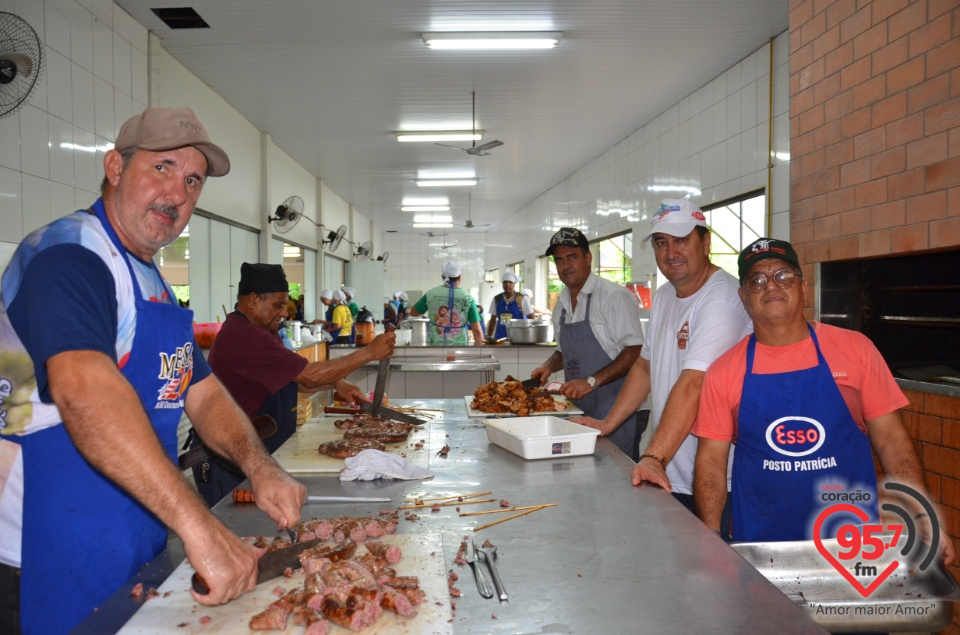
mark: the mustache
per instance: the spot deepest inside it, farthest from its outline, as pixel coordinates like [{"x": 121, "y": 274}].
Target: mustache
[{"x": 169, "y": 211}]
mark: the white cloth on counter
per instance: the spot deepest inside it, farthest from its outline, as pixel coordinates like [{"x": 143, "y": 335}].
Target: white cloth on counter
[{"x": 370, "y": 465}]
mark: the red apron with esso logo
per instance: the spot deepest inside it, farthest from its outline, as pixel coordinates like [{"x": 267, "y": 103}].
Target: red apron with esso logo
[{"x": 796, "y": 441}]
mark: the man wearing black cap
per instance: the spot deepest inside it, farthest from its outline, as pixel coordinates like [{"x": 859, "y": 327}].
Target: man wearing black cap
[
  {"x": 598, "y": 337},
  {"x": 263, "y": 375},
  {"x": 804, "y": 402},
  {"x": 89, "y": 486}
]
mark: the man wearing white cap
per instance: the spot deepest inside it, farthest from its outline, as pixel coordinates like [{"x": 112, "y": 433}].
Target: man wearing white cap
[
  {"x": 451, "y": 310},
  {"x": 537, "y": 311},
  {"x": 695, "y": 318},
  {"x": 506, "y": 306}
]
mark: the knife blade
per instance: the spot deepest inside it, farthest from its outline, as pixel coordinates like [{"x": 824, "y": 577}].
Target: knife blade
[
  {"x": 551, "y": 388},
  {"x": 383, "y": 369},
  {"x": 271, "y": 564},
  {"x": 390, "y": 413}
]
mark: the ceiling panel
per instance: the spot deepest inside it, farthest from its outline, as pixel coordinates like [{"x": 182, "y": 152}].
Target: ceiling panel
[{"x": 331, "y": 81}]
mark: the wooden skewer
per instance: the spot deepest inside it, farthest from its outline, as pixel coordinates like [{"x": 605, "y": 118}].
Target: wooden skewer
[
  {"x": 503, "y": 520},
  {"x": 455, "y": 496},
  {"x": 509, "y": 509},
  {"x": 447, "y": 504}
]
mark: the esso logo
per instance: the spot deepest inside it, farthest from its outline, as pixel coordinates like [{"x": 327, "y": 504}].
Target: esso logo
[{"x": 795, "y": 436}]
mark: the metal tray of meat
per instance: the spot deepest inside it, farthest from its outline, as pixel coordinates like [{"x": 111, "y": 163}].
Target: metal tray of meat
[
  {"x": 569, "y": 409},
  {"x": 907, "y": 600}
]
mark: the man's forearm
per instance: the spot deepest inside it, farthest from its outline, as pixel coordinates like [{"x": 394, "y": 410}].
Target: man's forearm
[
  {"x": 635, "y": 389},
  {"x": 317, "y": 374},
  {"x": 710, "y": 481},
  {"x": 679, "y": 415},
  {"x": 619, "y": 367},
  {"x": 106, "y": 421}
]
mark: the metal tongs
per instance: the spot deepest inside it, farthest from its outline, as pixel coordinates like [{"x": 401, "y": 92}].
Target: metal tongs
[{"x": 483, "y": 585}]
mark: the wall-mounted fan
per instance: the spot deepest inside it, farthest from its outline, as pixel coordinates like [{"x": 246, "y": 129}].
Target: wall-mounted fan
[
  {"x": 287, "y": 215},
  {"x": 364, "y": 251},
  {"x": 476, "y": 150},
  {"x": 383, "y": 257},
  {"x": 334, "y": 239},
  {"x": 21, "y": 62}
]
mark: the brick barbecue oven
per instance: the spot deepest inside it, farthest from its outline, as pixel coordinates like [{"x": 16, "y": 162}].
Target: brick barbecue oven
[{"x": 875, "y": 198}]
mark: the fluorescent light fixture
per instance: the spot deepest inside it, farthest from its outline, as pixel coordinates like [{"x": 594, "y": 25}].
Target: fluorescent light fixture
[
  {"x": 433, "y": 218},
  {"x": 445, "y": 182},
  {"x": 426, "y": 200},
  {"x": 492, "y": 40},
  {"x": 432, "y": 225},
  {"x": 408, "y": 136},
  {"x": 685, "y": 189},
  {"x": 425, "y": 208},
  {"x": 291, "y": 251}
]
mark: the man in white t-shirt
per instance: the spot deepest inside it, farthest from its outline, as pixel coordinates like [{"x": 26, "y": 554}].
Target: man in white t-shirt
[{"x": 695, "y": 318}]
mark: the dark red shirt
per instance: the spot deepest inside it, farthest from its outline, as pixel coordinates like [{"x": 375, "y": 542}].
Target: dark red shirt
[{"x": 252, "y": 362}]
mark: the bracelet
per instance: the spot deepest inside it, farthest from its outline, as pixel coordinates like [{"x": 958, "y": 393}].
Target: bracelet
[{"x": 662, "y": 461}]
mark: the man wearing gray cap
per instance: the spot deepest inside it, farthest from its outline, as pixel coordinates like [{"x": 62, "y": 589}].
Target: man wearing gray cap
[
  {"x": 451, "y": 310},
  {"x": 505, "y": 306},
  {"x": 89, "y": 416}
]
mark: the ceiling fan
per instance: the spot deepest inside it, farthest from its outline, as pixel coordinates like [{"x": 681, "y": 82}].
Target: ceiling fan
[
  {"x": 475, "y": 150},
  {"x": 21, "y": 62},
  {"x": 470, "y": 224},
  {"x": 333, "y": 239},
  {"x": 287, "y": 214},
  {"x": 443, "y": 237},
  {"x": 364, "y": 251}
]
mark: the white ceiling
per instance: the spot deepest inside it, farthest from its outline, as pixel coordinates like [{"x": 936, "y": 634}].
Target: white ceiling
[{"x": 331, "y": 80}]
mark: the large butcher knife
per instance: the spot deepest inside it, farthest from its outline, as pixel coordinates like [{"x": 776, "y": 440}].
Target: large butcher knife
[
  {"x": 377, "y": 408},
  {"x": 271, "y": 565}
]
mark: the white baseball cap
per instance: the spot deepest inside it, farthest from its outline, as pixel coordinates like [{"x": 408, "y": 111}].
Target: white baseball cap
[
  {"x": 676, "y": 217},
  {"x": 509, "y": 277},
  {"x": 528, "y": 293},
  {"x": 326, "y": 294},
  {"x": 403, "y": 296},
  {"x": 340, "y": 295},
  {"x": 386, "y": 299},
  {"x": 451, "y": 269},
  {"x": 350, "y": 291}
]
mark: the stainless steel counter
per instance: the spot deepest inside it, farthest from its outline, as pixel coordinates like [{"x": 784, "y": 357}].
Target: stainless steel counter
[{"x": 608, "y": 558}]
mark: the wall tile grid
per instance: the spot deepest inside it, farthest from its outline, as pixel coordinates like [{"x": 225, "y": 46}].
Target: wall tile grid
[
  {"x": 93, "y": 53},
  {"x": 875, "y": 128}
]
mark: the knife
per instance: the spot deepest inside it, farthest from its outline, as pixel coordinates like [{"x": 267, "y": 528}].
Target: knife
[
  {"x": 264, "y": 425},
  {"x": 551, "y": 388},
  {"x": 483, "y": 585},
  {"x": 271, "y": 564},
  {"x": 376, "y": 406}
]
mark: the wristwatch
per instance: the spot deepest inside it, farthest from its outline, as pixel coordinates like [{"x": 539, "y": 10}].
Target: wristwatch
[{"x": 592, "y": 381}]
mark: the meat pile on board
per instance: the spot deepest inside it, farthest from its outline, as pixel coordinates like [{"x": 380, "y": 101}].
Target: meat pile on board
[
  {"x": 341, "y": 587},
  {"x": 365, "y": 431},
  {"x": 511, "y": 396}
]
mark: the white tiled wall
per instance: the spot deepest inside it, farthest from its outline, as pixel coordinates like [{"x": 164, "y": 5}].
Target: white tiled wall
[
  {"x": 715, "y": 140},
  {"x": 93, "y": 51}
]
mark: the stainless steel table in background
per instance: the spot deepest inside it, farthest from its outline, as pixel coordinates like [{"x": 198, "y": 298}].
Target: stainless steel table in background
[{"x": 609, "y": 558}]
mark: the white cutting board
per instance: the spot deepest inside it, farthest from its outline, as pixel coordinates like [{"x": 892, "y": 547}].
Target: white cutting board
[
  {"x": 571, "y": 410},
  {"x": 422, "y": 556},
  {"x": 298, "y": 455}
]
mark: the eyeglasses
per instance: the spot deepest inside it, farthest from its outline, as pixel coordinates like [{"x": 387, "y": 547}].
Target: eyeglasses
[{"x": 783, "y": 278}]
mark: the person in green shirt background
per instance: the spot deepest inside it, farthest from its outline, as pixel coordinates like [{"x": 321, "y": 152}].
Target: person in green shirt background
[
  {"x": 351, "y": 293},
  {"x": 451, "y": 310}
]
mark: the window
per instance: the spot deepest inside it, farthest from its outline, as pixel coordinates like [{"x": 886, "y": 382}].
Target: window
[
  {"x": 735, "y": 224},
  {"x": 173, "y": 261}
]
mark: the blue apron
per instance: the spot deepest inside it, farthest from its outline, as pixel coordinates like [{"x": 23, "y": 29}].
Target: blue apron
[
  {"x": 795, "y": 434},
  {"x": 582, "y": 357},
  {"x": 84, "y": 535},
  {"x": 504, "y": 307}
]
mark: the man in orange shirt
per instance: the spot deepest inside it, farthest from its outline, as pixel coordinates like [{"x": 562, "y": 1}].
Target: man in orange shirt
[{"x": 804, "y": 402}]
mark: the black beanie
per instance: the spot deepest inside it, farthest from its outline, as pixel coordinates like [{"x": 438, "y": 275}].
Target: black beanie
[{"x": 260, "y": 277}]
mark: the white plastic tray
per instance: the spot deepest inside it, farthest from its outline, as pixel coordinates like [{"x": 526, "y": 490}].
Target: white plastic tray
[{"x": 541, "y": 437}]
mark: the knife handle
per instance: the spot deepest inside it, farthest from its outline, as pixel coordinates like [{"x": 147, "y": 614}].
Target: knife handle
[{"x": 199, "y": 584}]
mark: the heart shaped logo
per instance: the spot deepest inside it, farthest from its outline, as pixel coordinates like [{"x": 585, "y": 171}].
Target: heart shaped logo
[{"x": 862, "y": 515}]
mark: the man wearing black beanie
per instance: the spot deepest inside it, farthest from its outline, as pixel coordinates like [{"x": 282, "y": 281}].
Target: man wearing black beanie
[{"x": 263, "y": 376}]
